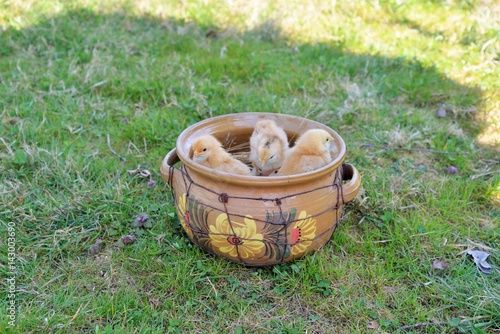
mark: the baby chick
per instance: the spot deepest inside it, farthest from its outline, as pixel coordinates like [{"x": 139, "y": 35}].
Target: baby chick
[
  {"x": 268, "y": 145},
  {"x": 208, "y": 152},
  {"x": 310, "y": 152}
]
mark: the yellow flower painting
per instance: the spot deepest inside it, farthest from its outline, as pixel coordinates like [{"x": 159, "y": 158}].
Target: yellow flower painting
[
  {"x": 236, "y": 238},
  {"x": 183, "y": 214},
  {"x": 302, "y": 233}
]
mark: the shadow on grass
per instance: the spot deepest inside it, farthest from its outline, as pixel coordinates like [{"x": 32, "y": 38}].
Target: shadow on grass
[{"x": 150, "y": 61}]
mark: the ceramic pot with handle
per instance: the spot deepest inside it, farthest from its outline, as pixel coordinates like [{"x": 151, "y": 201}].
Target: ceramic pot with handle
[{"x": 257, "y": 220}]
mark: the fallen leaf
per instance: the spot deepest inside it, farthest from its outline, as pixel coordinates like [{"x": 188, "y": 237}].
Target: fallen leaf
[
  {"x": 145, "y": 173},
  {"x": 451, "y": 170},
  {"x": 211, "y": 33},
  {"x": 373, "y": 324},
  {"x": 94, "y": 249},
  {"x": 133, "y": 171},
  {"x": 441, "y": 113},
  {"x": 485, "y": 267},
  {"x": 126, "y": 240},
  {"x": 440, "y": 264},
  {"x": 13, "y": 121},
  {"x": 479, "y": 258}
]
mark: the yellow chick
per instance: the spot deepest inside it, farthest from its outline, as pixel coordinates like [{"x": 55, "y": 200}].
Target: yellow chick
[
  {"x": 208, "y": 152},
  {"x": 310, "y": 152},
  {"x": 268, "y": 146}
]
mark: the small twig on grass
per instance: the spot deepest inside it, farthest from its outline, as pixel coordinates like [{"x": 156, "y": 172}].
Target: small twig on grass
[
  {"x": 213, "y": 287},
  {"x": 113, "y": 151},
  {"x": 421, "y": 324},
  {"x": 52, "y": 280},
  {"x": 473, "y": 177},
  {"x": 97, "y": 84},
  {"x": 7, "y": 147},
  {"x": 425, "y": 150}
]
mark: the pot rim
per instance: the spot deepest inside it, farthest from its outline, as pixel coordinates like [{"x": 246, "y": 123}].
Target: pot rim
[{"x": 260, "y": 181}]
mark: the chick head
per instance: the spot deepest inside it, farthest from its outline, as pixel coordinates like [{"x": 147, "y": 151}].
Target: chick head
[
  {"x": 271, "y": 151},
  {"x": 265, "y": 125},
  {"x": 316, "y": 140},
  {"x": 204, "y": 147}
]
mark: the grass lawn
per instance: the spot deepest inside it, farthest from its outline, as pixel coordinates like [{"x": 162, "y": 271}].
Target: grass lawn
[{"x": 92, "y": 89}]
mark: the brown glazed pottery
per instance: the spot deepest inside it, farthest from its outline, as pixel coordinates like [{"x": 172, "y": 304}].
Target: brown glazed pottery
[{"x": 257, "y": 220}]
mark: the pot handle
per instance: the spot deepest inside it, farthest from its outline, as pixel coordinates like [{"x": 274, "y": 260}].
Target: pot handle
[
  {"x": 350, "y": 189},
  {"x": 167, "y": 169}
]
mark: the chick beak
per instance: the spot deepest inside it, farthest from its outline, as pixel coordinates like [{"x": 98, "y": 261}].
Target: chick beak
[{"x": 264, "y": 161}]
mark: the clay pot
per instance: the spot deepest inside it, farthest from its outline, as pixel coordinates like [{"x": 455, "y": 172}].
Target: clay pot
[{"x": 257, "y": 220}]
